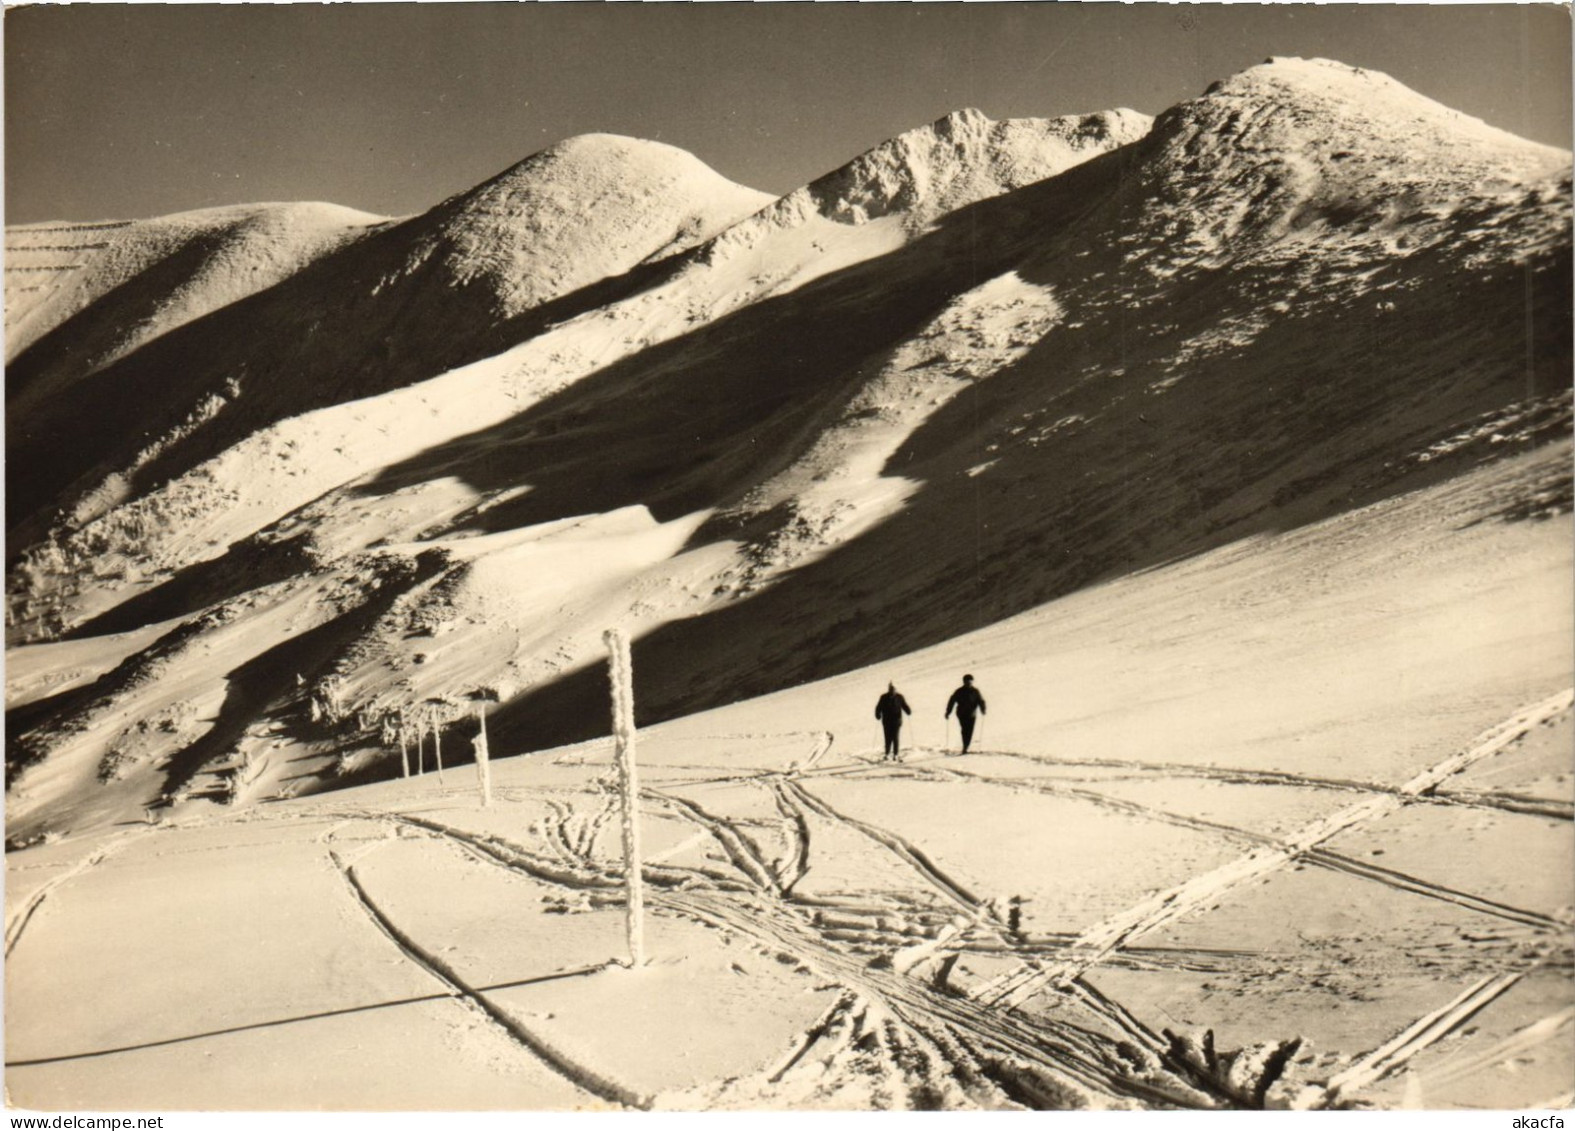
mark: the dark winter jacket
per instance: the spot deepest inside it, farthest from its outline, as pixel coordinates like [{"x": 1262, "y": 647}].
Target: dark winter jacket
[
  {"x": 967, "y": 700},
  {"x": 890, "y": 708}
]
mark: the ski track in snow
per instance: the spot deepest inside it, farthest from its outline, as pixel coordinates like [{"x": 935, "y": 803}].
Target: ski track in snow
[
  {"x": 1017, "y": 987},
  {"x": 793, "y": 798},
  {"x": 905, "y": 850},
  {"x": 18, "y": 922},
  {"x": 1073, "y": 1054},
  {"x": 1513, "y": 803},
  {"x": 583, "y": 1078},
  {"x": 740, "y": 849},
  {"x": 1521, "y": 1041},
  {"x": 983, "y": 1038},
  {"x": 799, "y": 828},
  {"x": 1422, "y": 1033},
  {"x": 1552, "y": 808},
  {"x": 1322, "y": 857},
  {"x": 1068, "y": 1053}
]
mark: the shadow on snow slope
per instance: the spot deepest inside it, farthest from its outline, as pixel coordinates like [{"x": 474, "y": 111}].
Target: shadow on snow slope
[
  {"x": 354, "y": 323},
  {"x": 1117, "y": 443}
]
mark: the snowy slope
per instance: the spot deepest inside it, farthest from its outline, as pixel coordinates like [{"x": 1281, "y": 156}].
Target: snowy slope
[
  {"x": 406, "y": 303},
  {"x": 122, "y": 283},
  {"x": 1309, "y": 788},
  {"x": 584, "y": 210},
  {"x": 978, "y": 369}
]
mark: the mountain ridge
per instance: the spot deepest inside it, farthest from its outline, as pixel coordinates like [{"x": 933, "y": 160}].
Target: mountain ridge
[{"x": 775, "y": 447}]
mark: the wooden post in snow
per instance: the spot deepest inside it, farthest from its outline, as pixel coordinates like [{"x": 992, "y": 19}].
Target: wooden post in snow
[
  {"x": 421, "y": 732},
  {"x": 622, "y": 672},
  {"x": 404, "y": 748},
  {"x": 483, "y": 757},
  {"x": 437, "y": 745}
]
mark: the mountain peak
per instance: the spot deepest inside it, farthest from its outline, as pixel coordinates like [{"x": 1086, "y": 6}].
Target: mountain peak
[
  {"x": 1323, "y": 95},
  {"x": 967, "y": 120},
  {"x": 589, "y": 207},
  {"x": 591, "y": 161},
  {"x": 965, "y": 157},
  {"x": 638, "y": 154}
]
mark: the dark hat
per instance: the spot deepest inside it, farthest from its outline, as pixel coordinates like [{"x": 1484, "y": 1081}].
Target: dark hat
[{"x": 967, "y": 679}]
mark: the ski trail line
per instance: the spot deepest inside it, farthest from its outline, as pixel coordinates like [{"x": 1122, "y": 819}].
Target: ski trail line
[
  {"x": 800, "y": 832},
  {"x": 516, "y": 858},
  {"x": 1424, "y": 1031},
  {"x": 17, "y": 923},
  {"x": 1016, "y": 987},
  {"x": 1235, "y": 774},
  {"x": 1067, "y": 1052},
  {"x": 1163, "y": 1048},
  {"x": 581, "y": 1077},
  {"x": 822, "y": 1024},
  {"x": 1516, "y": 1044},
  {"x": 594, "y": 827},
  {"x": 1321, "y": 857},
  {"x": 740, "y": 849},
  {"x": 571, "y": 874},
  {"x": 1403, "y": 881},
  {"x": 557, "y": 833},
  {"x": 1120, "y": 1016},
  {"x": 1552, "y": 808},
  {"x": 858, "y": 766},
  {"x": 1083, "y": 1059},
  {"x": 904, "y": 850}
]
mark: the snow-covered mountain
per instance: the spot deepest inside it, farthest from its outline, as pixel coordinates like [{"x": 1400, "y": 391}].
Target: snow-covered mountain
[
  {"x": 282, "y": 475},
  {"x": 1230, "y": 450}
]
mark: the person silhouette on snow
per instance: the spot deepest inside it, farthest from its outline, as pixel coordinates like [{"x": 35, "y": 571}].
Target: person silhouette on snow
[
  {"x": 889, "y": 709},
  {"x": 968, "y": 702}
]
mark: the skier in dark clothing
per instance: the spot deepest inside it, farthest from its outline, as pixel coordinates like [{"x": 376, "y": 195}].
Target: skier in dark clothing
[
  {"x": 889, "y": 709},
  {"x": 968, "y": 702}
]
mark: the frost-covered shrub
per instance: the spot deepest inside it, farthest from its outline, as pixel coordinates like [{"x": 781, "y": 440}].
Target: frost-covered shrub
[{"x": 161, "y": 732}]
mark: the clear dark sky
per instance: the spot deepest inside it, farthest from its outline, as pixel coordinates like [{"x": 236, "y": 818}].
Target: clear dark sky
[{"x": 137, "y": 110}]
